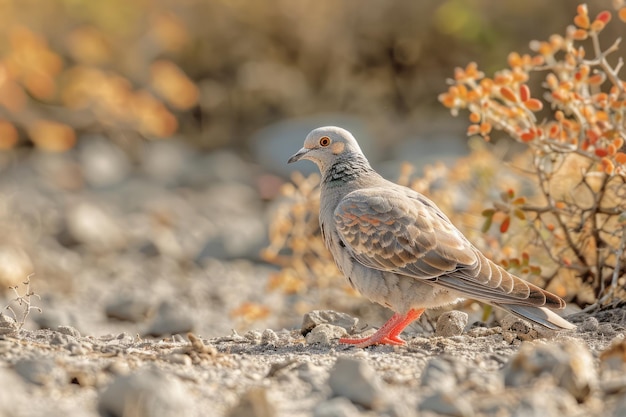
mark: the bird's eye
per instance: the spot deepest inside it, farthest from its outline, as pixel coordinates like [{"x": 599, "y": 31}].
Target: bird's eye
[{"x": 324, "y": 141}]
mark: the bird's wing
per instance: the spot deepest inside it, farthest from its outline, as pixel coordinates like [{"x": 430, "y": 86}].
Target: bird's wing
[{"x": 401, "y": 231}]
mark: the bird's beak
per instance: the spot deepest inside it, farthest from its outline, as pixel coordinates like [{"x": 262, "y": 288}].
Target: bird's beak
[{"x": 298, "y": 155}]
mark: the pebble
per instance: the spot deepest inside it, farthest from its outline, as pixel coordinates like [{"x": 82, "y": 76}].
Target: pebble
[
  {"x": 442, "y": 373},
  {"x": 447, "y": 403},
  {"x": 68, "y": 330},
  {"x": 451, "y": 323},
  {"x": 41, "y": 371},
  {"x": 94, "y": 227},
  {"x": 336, "y": 407},
  {"x": 143, "y": 393},
  {"x": 569, "y": 364},
  {"x": 8, "y": 325},
  {"x": 129, "y": 308},
  {"x": 103, "y": 163},
  {"x": 317, "y": 317},
  {"x": 325, "y": 334},
  {"x": 514, "y": 328},
  {"x": 170, "y": 319},
  {"x": 357, "y": 381},
  {"x": 590, "y": 324},
  {"x": 254, "y": 403},
  {"x": 269, "y": 337}
]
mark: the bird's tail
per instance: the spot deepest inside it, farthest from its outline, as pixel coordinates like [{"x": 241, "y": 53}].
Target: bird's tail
[{"x": 540, "y": 315}]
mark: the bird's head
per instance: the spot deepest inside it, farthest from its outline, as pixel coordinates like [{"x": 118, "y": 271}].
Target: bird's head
[{"x": 325, "y": 145}]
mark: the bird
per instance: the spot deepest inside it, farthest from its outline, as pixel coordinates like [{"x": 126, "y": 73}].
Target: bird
[{"x": 398, "y": 249}]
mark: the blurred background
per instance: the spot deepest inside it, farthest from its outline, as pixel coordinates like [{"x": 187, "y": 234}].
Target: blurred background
[{"x": 144, "y": 142}]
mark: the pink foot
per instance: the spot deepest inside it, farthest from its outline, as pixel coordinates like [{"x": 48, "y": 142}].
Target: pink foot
[{"x": 389, "y": 333}]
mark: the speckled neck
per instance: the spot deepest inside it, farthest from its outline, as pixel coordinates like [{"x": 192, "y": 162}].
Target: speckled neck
[{"x": 346, "y": 169}]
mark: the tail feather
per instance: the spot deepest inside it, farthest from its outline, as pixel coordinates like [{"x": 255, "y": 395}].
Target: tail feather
[{"x": 539, "y": 315}]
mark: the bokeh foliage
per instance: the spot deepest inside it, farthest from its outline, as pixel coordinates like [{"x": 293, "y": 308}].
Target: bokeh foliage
[{"x": 217, "y": 70}]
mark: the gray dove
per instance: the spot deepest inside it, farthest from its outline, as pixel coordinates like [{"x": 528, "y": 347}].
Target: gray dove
[{"x": 398, "y": 249}]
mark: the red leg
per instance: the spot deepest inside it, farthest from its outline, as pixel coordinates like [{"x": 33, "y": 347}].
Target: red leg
[{"x": 389, "y": 333}]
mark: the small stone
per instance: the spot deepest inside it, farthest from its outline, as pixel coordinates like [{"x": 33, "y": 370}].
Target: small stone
[
  {"x": 447, "y": 403},
  {"x": 8, "y": 325},
  {"x": 325, "y": 334},
  {"x": 569, "y": 363},
  {"x": 336, "y": 407},
  {"x": 254, "y": 403},
  {"x": 451, "y": 323},
  {"x": 514, "y": 327},
  {"x": 129, "y": 308},
  {"x": 104, "y": 164},
  {"x": 95, "y": 227},
  {"x": 606, "y": 329},
  {"x": 68, "y": 330},
  {"x": 590, "y": 324},
  {"x": 40, "y": 371},
  {"x": 143, "y": 392},
  {"x": 442, "y": 373},
  {"x": 269, "y": 337},
  {"x": 170, "y": 319},
  {"x": 317, "y": 317},
  {"x": 253, "y": 336},
  {"x": 357, "y": 381}
]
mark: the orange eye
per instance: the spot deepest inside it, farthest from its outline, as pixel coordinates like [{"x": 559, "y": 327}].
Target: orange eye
[{"x": 324, "y": 141}]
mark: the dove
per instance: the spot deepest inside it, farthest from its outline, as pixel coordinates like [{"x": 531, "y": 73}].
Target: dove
[{"x": 398, "y": 249}]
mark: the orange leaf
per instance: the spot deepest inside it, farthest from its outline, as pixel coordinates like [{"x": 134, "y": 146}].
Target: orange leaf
[
  {"x": 580, "y": 35},
  {"x": 604, "y": 16},
  {"x": 8, "y": 135},
  {"x": 524, "y": 92},
  {"x": 597, "y": 25},
  {"x": 52, "y": 136},
  {"x": 607, "y": 166},
  {"x": 505, "y": 224},
  {"x": 485, "y": 128},
  {"x": 581, "y": 9},
  {"x": 622, "y": 14},
  {"x": 620, "y": 157},
  {"x": 582, "y": 21},
  {"x": 508, "y": 94},
  {"x": 601, "y": 152},
  {"x": 560, "y": 205},
  {"x": 474, "y": 117},
  {"x": 533, "y": 104},
  {"x": 597, "y": 79}
]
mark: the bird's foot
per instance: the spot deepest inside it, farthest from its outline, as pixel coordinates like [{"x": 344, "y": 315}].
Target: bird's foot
[
  {"x": 389, "y": 333},
  {"x": 374, "y": 339}
]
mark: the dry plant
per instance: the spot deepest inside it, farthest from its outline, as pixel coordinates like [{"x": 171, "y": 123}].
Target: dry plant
[
  {"x": 24, "y": 302},
  {"x": 573, "y": 216}
]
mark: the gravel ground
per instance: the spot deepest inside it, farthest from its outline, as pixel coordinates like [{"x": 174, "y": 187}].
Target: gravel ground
[{"x": 145, "y": 266}]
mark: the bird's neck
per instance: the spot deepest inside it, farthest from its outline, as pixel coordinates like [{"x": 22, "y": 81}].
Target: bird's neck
[{"x": 346, "y": 170}]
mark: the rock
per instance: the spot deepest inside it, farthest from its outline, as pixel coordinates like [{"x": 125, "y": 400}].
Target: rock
[
  {"x": 357, "y": 381},
  {"x": 442, "y": 373},
  {"x": 147, "y": 392},
  {"x": 447, "y": 403},
  {"x": 129, "y": 308},
  {"x": 514, "y": 327},
  {"x": 68, "y": 330},
  {"x": 93, "y": 226},
  {"x": 170, "y": 319},
  {"x": 103, "y": 163},
  {"x": 8, "y": 325},
  {"x": 269, "y": 337},
  {"x": 41, "y": 372},
  {"x": 15, "y": 266},
  {"x": 254, "y": 403},
  {"x": 166, "y": 160},
  {"x": 325, "y": 334},
  {"x": 336, "y": 407},
  {"x": 317, "y": 317},
  {"x": 590, "y": 324},
  {"x": 569, "y": 363},
  {"x": 451, "y": 323}
]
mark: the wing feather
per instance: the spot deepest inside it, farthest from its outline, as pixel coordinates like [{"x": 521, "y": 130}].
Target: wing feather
[{"x": 397, "y": 230}]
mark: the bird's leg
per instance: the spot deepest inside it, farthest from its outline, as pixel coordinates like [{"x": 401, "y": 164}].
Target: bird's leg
[{"x": 389, "y": 333}]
